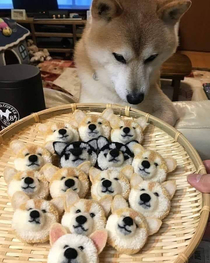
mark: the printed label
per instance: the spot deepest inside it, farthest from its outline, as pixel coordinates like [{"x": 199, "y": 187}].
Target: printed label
[{"x": 8, "y": 114}]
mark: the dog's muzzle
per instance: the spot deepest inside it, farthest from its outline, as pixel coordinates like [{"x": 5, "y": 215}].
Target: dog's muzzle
[
  {"x": 145, "y": 201},
  {"x": 135, "y": 98}
]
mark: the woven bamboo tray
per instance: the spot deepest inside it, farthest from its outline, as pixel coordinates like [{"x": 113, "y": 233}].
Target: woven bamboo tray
[{"x": 181, "y": 231}]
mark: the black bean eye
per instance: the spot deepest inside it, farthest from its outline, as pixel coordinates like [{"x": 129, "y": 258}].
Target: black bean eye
[
  {"x": 44, "y": 211},
  {"x": 30, "y": 209},
  {"x": 134, "y": 128},
  {"x": 142, "y": 189},
  {"x": 117, "y": 179},
  {"x": 89, "y": 122},
  {"x": 100, "y": 123},
  {"x": 27, "y": 154},
  {"x": 102, "y": 179},
  {"x": 66, "y": 246},
  {"x": 137, "y": 226},
  {"x": 119, "y": 58},
  {"x": 81, "y": 248},
  {"x": 54, "y": 130},
  {"x": 22, "y": 178},
  {"x": 156, "y": 164},
  {"x": 156, "y": 194},
  {"x": 63, "y": 177},
  {"x": 76, "y": 177},
  {"x": 38, "y": 180},
  {"x": 150, "y": 59},
  {"x": 78, "y": 211},
  {"x": 92, "y": 215},
  {"x": 39, "y": 154},
  {"x": 121, "y": 127}
]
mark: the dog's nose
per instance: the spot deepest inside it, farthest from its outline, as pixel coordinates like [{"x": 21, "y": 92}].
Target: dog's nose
[
  {"x": 128, "y": 221},
  {"x": 76, "y": 152},
  {"x": 69, "y": 183},
  {"x": 135, "y": 98},
  {"x": 34, "y": 214},
  {"x": 70, "y": 253},
  {"x": 81, "y": 220},
  {"x": 28, "y": 180},
  {"x": 106, "y": 183},
  {"x": 145, "y": 198},
  {"x": 115, "y": 153},
  {"x": 126, "y": 130},
  {"x": 33, "y": 158},
  {"x": 92, "y": 127},
  {"x": 145, "y": 164},
  {"x": 62, "y": 131}
]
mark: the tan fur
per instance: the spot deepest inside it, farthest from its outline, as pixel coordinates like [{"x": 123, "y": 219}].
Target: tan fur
[{"x": 132, "y": 29}]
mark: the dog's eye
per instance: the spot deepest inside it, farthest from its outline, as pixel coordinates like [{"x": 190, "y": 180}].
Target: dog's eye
[
  {"x": 78, "y": 211},
  {"x": 65, "y": 127},
  {"x": 102, "y": 179},
  {"x": 134, "y": 128},
  {"x": 92, "y": 215},
  {"x": 156, "y": 164},
  {"x": 38, "y": 180},
  {"x": 100, "y": 123},
  {"x": 81, "y": 248},
  {"x": 137, "y": 226},
  {"x": 54, "y": 130},
  {"x": 117, "y": 179},
  {"x": 121, "y": 127},
  {"x": 150, "y": 59},
  {"x": 119, "y": 58},
  {"x": 39, "y": 154},
  {"x": 44, "y": 211},
  {"x": 29, "y": 209},
  {"x": 145, "y": 158},
  {"x": 76, "y": 177},
  {"x": 22, "y": 178},
  {"x": 89, "y": 122},
  {"x": 27, "y": 154},
  {"x": 63, "y": 177},
  {"x": 66, "y": 246},
  {"x": 142, "y": 189},
  {"x": 156, "y": 194}
]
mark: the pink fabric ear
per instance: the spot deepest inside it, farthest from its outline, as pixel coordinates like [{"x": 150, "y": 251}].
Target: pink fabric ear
[
  {"x": 56, "y": 231},
  {"x": 99, "y": 239}
]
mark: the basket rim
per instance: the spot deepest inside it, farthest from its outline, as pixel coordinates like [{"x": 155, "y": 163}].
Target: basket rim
[{"x": 128, "y": 112}]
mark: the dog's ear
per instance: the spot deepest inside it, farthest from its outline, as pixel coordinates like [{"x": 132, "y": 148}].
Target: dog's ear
[
  {"x": 170, "y": 187},
  {"x": 79, "y": 116},
  {"x": 106, "y": 9},
  {"x": 71, "y": 198},
  {"x": 16, "y": 146},
  {"x": 135, "y": 180},
  {"x": 154, "y": 225},
  {"x": 136, "y": 148},
  {"x": 49, "y": 147},
  {"x": 72, "y": 121},
  {"x": 85, "y": 167},
  {"x": 127, "y": 171},
  {"x": 107, "y": 114},
  {"x": 171, "y": 164},
  {"x": 43, "y": 127},
  {"x": 172, "y": 12},
  {"x": 9, "y": 174},
  {"x": 106, "y": 203},
  {"x": 142, "y": 121},
  {"x": 48, "y": 170},
  {"x": 18, "y": 199},
  {"x": 59, "y": 147},
  {"x": 118, "y": 203},
  {"x": 102, "y": 141},
  {"x": 93, "y": 173},
  {"x": 56, "y": 231},
  {"x": 115, "y": 122},
  {"x": 133, "y": 146},
  {"x": 99, "y": 239},
  {"x": 59, "y": 204},
  {"x": 93, "y": 143}
]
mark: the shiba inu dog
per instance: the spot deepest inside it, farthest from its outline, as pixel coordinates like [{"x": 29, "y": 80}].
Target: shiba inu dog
[
  {"x": 33, "y": 218},
  {"x": 72, "y": 155},
  {"x": 82, "y": 216},
  {"x": 72, "y": 248},
  {"x": 150, "y": 165},
  {"x": 110, "y": 182},
  {"x": 59, "y": 132},
  {"x": 129, "y": 230},
  {"x": 113, "y": 155},
  {"x": 29, "y": 182},
  {"x": 150, "y": 198},
  {"x": 29, "y": 157},
  {"x": 122, "y": 51},
  {"x": 93, "y": 126},
  {"x": 127, "y": 130},
  {"x": 61, "y": 180}
]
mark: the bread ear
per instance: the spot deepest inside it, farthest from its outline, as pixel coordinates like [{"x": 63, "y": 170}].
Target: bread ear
[
  {"x": 18, "y": 199},
  {"x": 154, "y": 225},
  {"x": 16, "y": 146},
  {"x": 9, "y": 174},
  {"x": 106, "y": 203},
  {"x": 128, "y": 171},
  {"x": 43, "y": 127},
  {"x": 99, "y": 239},
  {"x": 115, "y": 121},
  {"x": 79, "y": 116},
  {"x": 56, "y": 231},
  {"x": 93, "y": 173},
  {"x": 170, "y": 187},
  {"x": 71, "y": 198},
  {"x": 85, "y": 167},
  {"x": 107, "y": 114},
  {"x": 118, "y": 203},
  {"x": 135, "y": 180},
  {"x": 48, "y": 171},
  {"x": 142, "y": 121},
  {"x": 137, "y": 149},
  {"x": 102, "y": 141},
  {"x": 171, "y": 164},
  {"x": 59, "y": 204}
]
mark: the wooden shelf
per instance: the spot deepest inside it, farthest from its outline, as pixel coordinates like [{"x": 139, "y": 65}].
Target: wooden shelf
[
  {"x": 46, "y": 34},
  {"x": 59, "y": 22}
]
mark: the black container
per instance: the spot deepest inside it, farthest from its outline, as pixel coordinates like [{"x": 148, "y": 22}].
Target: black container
[{"x": 21, "y": 93}]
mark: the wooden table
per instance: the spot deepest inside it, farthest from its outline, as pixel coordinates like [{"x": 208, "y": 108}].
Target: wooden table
[{"x": 176, "y": 68}]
